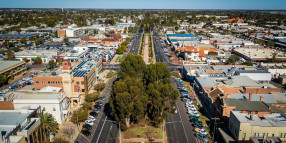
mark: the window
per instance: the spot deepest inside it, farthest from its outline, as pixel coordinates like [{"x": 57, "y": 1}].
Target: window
[
  {"x": 82, "y": 82},
  {"x": 49, "y": 82},
  {"x": 54, "y": 109},
  {"x": 37, "y": 82},
  {"x": 77, "y": 82},
  {"x": 82, "y": 90}
]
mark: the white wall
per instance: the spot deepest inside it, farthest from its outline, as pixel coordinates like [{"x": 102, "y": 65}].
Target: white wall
[{"x": 49, "y": 106}]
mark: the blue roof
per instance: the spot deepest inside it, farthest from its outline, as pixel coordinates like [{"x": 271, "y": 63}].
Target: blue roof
[{"x": 181, "y": 35}]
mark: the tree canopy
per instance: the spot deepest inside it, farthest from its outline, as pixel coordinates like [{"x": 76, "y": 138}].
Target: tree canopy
[{"x": 142, "y": 92}]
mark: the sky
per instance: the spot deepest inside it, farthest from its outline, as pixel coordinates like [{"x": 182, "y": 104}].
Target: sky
[{"x": 147, "y": 4}]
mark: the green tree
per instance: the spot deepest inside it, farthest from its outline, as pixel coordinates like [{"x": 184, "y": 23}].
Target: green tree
[
  {"x": 132, "y": 66},
  {"x": 86, "y": 105},
  {"x": 79, "y": 115},
  {"x": 16, "y": 49},
  {"x": 25, "y": 60},
  {"x": 23, "y": 41},
  {"x": 10, "y": 55},
  {"x": 248, "y": 63},
  {"x": 270, "y": 43},
  {"x": 49, "y": 123},
  {"x": 66, "y": 40},
  {"x": 38, "y": 60},
  {"x": 232, "y": 59},
  {"x": 99, "y": 86},
  {"x": 3, "y": 80},
  {"x": 92, "y": 97},
  {"x": 52, "y": 64}
]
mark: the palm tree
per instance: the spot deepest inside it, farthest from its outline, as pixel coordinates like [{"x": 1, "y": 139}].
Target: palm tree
[{"x": 49, "y": 123}]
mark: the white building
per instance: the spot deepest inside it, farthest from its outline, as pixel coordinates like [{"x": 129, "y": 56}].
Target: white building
[
  {"x": 53, "y": 103},
  {"x": 74, "y": 32}
]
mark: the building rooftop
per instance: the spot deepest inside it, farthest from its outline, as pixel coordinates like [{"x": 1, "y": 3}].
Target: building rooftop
[
  {"x": 38, "y": 96},
  {"x": 267, "y": 98},
  {"x": 11, "y": 118},
  {"x": 206, "y": 81},
  {"x": 36, "y": 53},
  {"x": 245, "y": 104},
  {"x": 181, "y": 35},
  {"x": 268, "y": 120},
  {"x": 85, "y": 67},
  {"x": 50, "y": 89},
  {"x": 239, "y": 81},
  {"x": 8, "y": 64},
  {"x": 56, "y": 73},
  {"x": 259, "y": 53}
]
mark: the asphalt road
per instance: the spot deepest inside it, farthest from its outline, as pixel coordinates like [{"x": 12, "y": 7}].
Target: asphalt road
[
  {"x": 105, "y": 130},
  {"x": 136, "y": 43},
  {"x": 179, "y": 128},
  {"x": 160, "y": 54}
]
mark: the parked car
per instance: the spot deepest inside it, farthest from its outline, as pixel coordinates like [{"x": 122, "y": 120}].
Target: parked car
[
  {"x": 79, "y": 141},
  {"x": 86, "y": 132},
  {"x": 97, "y": 106},
  {"x": 93, "y": 114},
  {"x": 95, "y": 110},
  {"x": 102, "y": 98},
  {"x": 87, "y": 126},
  {"x": 99, "y": 103},
  {"x": 185, "y": 100},
  {"x": 91, "y": 118},
  {"x": 89, "y": 122},
  {"x": 202, "y": 137}
]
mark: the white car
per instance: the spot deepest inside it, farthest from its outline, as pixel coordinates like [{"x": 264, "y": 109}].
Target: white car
[
  {"x": 89, "y": 122},
  {"x": 91, "y": 118},
  {"x": 203, "y": 132}
]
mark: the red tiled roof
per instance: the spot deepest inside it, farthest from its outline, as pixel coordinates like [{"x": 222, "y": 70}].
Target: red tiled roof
[
  {"x": 190, "y": 49},
  {"x": 202, "y": 53}
]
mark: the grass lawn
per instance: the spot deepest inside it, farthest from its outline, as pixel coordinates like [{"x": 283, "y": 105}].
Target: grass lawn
[
  {"x": 138, "y": 131},
  {"x": 118, "y": 59}
]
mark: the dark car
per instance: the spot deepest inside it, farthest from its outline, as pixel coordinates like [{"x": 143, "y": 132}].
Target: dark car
[
  {"x": 94, "y": 114},
  {"x": 87, "y": 126},
  {"x": 97, "y": 106},
  {"x": 79, "y": 141},
  {"x": 102, "y": 98},
  {"x": 99, "y": 103},
  {"x": 86, "y": 132}
]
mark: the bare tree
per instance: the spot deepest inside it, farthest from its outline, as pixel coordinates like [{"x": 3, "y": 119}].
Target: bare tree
[{"x": 68, "y": 130}]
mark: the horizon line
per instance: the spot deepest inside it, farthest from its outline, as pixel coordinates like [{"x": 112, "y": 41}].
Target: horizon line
[{"x": 152, "y": 9}]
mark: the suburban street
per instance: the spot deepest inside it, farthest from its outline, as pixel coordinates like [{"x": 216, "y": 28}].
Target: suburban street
[
  {"x": 105, "y": 130},
  {"x": 179, "y": 128}
]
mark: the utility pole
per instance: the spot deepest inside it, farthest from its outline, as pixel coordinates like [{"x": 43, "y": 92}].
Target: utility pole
[{"x": 214, "y": 126}]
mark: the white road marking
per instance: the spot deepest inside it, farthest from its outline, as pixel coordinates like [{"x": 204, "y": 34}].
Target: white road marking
[
  {"x": 182, "y": 123},
  {"x": 101, "y": 130}
]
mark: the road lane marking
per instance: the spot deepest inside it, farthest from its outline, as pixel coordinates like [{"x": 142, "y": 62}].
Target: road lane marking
[
  {"x": 101, "y": 130},
  {"x": 182, "y": 123}
]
